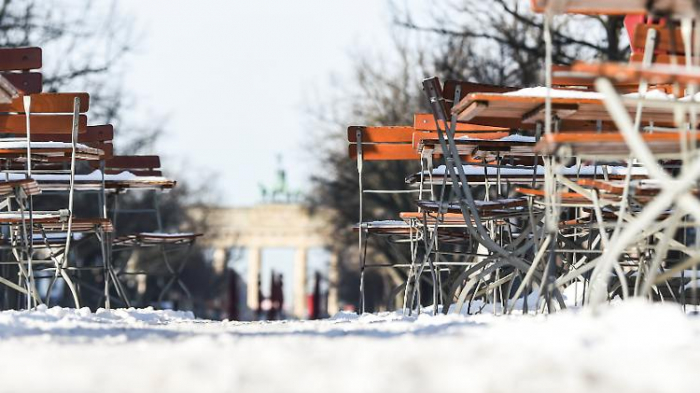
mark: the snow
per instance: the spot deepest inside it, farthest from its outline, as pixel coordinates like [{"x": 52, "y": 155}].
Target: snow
[
  {"x": 518, "y": 170},
  {"x": 165, "y": 234},
  {"x": 630, "y": 347},
  {"x": 386, "y": 223},
  {"x": 497, "y": 202},
  {"x": 509, "y": 138},
  {"x": 95, "y": 175},
  {"x": 15, "y": 143},
  {"x": 541, "y": 91},
  {"x": 35, "y": 215}
]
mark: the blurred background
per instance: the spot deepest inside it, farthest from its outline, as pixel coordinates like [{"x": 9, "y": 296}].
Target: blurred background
[{"x": 248, "y": 103}]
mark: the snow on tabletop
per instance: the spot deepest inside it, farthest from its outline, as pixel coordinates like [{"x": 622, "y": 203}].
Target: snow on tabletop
[
  {"x": 502, "y": 201},
  {"x": 541, "y": 91},
  {"x": 386, "y": 223},
  {"x": 95, "y": 175},
  {"x": 520, "y": 170},
  {"x": 629, "y": 347},
  {"x": 509, "y": 138},
  {"x": 14, "y": 143},
  {"x": 35, "y": 215},
  {"x": 165, "y": 234}
]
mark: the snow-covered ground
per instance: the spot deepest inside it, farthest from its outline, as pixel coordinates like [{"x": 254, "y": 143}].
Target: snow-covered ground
[{"x": 630, "y": 347}]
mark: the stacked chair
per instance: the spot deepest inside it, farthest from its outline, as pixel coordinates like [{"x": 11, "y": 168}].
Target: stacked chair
[
  {"x": 48, "y": 156},
  {"x": 574, "y": 193}
]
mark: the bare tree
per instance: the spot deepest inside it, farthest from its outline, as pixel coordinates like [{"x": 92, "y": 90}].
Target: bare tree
[
  {"x": 500, "y": 41},
  {"x": 85, "y": 45}
]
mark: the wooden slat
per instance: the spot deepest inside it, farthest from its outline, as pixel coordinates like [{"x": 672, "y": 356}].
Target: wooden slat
[
  {"x": 107, "y": 148},
  {"x": 564, "y": 197},
  {"x": 25, "y": 82},
  {"x": 618, "y": 7},
  {"x": 664, "y": 43},
  {"x": 608, "y": 143},
  {"x": 448, "y": 91},
  {"x": 40, "y": 166},
  {"x": 658, "y": 58},
  {"x": 381, "y": 134},
  {"x": 387, "y": 152},
  {"x": 567, "y": 77},
  {"x": 136, "y": 172},
  {"x": 471, "y": 87},
  {"x": 508, "y": 110},
  {"x": 16, "y": 59},
  {"x": 561, "y": 111},
  {"x": 657, "y": 74},
  {"x": 100, "y": 133},
  {"x": 426, "y": 122},
  {"x": 432, "y": 137},
  {"x": 49, "y": 103},
  {"x": 135, "y": 162},
  {"x": 43, "y": 124}
]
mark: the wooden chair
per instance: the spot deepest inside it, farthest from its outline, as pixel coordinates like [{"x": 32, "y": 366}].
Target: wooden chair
[
  {"x": 626, "y": 7},
  {"x": 148, "y": 169}
]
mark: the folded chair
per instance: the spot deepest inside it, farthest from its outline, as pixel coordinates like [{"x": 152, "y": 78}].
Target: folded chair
[{"x": 143, "y": 173}]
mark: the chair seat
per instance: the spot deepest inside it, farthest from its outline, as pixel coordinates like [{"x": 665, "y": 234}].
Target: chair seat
[{"x": 157, "y": 238}]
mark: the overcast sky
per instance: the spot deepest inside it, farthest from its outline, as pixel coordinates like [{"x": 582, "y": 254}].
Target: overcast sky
[{"x": 231, "y": 76}]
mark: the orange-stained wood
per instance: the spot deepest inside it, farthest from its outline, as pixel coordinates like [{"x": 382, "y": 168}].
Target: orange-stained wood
[
  {"x": 564, "y": 78},
  {"x": 419, "y": 137},
  {"x": 455, "y": 219},
  {"x": 660, "y": 75},
  {"x": 99, "y": 133},
  {"x": 43, "y": 124},
  {"x": 129, "y": 162},
  {"x": 49, "y": 103},
  {"x": 509, "y": 111},
  {"x": 426, "y": 122},
  {"x": 107, "y": 148},
  {"x": 387, "y": 152},
  {"x": 448, "y": 90},
  {"x": 25, "y": 82},
  {"x": 658, "y": 58},
  {"x": 381, "y": 134},
  {"x": 606, "y": 186},
  {"x": 619, "y": 7},
  {"x": 20, "y": 59},
  {"x": 136, "y": 172},
  {"x": 664, "y": 42},
  {"x": 540, "y": 193},
  {"x": 609, "y": 143}
]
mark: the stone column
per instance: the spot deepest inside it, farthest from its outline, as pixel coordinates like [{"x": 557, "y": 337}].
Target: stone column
[
  {"x": 333, "y": 306},
  {"x": 254, "y": 262},
  {"x": 300, "y": 283},
  {"x": 219, "y": 261}
]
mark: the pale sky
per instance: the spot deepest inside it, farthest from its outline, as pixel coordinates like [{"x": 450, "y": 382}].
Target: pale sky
[{"x": 231, "y": 77}]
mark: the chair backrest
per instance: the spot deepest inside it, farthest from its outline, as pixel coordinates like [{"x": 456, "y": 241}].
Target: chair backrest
[
  {"x": 16, "y": 65},
  {"x": 619, "y": 7},
  {"x": 382, "y": 143},
  {"x": 399, "y": 143},
  {"x": 426, "y": 122},
  {"x": 669, "y": 43},
  {"x": 138, "y": 165},
  {"x": 51, "y": 113}
]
